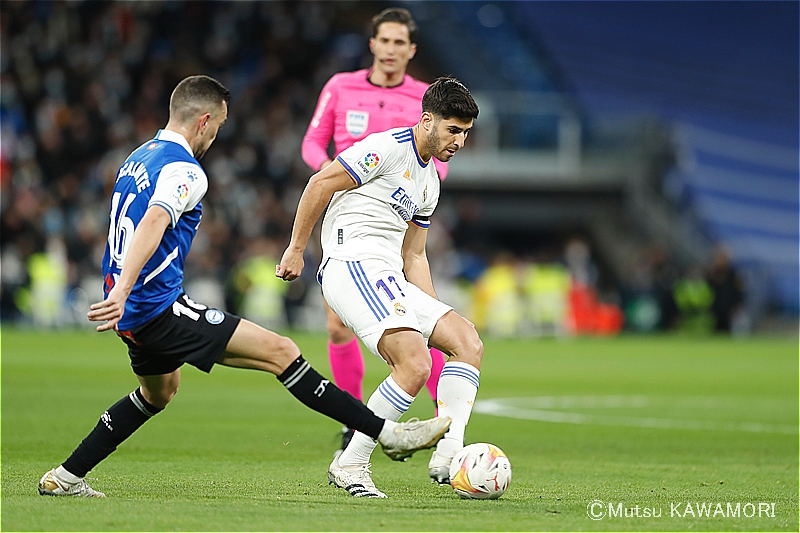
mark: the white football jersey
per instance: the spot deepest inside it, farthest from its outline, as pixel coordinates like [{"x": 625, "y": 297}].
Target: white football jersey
[{"x": 393, "y": 187}]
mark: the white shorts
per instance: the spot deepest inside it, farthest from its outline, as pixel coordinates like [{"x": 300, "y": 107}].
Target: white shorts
[{"x": 371, "y": 297}]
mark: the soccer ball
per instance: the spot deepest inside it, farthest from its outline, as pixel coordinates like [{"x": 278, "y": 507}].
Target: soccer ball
[{"x": 480, "y": 472}]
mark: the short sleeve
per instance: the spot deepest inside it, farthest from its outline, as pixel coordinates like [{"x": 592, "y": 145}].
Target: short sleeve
[
  {"x": 179, "y": 188},
  {"x": 369, "y": 158}
]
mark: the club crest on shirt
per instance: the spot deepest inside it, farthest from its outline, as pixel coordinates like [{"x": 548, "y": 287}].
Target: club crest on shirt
[
  {"x": 425, "y": 193},
  {"x": 215, "y": 316},
  {"x": 399, "y": 309},
  {"x": 356, "y": 122}
]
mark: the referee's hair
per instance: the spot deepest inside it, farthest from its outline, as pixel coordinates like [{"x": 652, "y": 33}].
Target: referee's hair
[
  {"x": 196, "y": 95},
  {"x": 447, "y": 97},
  {"x": 395, "y": 14}
]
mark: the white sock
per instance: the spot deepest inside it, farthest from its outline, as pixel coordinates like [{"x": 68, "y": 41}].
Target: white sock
[
  {"x": 65, "y": 475},
  {"x": 388, "y": 401},
  {"x": 458, "y": 386}
]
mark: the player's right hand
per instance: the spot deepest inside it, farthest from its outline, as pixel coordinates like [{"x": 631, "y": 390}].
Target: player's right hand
[{"x": 291, "y": 265}]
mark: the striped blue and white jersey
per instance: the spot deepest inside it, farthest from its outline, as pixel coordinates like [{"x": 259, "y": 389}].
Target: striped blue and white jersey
[
  {"x": 162, "y": 172},
  {"x": 394, "y": 187}
]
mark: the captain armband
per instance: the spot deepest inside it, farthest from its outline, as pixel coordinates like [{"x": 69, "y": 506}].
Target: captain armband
[{"x": 421, "y": 221}]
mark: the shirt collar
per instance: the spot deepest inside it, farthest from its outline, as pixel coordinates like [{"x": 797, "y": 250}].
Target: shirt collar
[
  {"x": 173, "y": 136},
  {"x": 422, "y": 163},
  {"x": 369, "y": 73}
]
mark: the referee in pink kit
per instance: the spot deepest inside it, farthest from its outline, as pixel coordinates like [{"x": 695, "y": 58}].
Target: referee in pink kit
[{"x": 351, "y": 106}]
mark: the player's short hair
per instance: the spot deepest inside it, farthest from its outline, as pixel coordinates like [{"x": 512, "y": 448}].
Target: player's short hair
[
  {"x": 447, "y": 97},
  {"x": 395, "y": 14},
  {"x": 196, "y": 95}
]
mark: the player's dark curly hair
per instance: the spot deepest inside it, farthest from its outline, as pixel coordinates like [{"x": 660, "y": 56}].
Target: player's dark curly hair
[
  {"x": 196, "y": 95},
  {"x": 395, "y": 14},
  {"x": 447, "y": 97}
]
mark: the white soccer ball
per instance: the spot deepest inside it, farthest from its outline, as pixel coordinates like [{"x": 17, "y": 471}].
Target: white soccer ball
[{"x": 480, "y": 472}]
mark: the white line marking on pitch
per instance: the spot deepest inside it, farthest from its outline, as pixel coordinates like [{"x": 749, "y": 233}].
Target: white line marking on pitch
[{"x": 543, "y": 408}]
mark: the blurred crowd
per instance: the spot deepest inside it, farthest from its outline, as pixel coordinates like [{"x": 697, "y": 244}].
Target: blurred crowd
[
  {"x": 84, "y": 83},
  {"x": 565, "y": 294}
]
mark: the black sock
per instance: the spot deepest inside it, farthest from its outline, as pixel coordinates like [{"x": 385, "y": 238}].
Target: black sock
[
  {"x": 116, "y": 425},
  {"x": 318, "y": 393}
]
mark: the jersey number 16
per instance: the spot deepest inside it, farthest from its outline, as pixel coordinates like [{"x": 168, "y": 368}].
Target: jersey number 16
[{"x": 120, "y": 231}]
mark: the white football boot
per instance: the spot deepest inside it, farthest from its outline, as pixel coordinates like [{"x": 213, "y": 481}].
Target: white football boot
[
  {"x": 52, "y": 485},
  {"x": 439, "y": 468},
  {"x": 411, "y": 436},
  {"x": 354, "y": 479}
]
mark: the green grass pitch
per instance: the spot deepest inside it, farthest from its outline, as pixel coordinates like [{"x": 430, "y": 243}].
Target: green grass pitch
[{"x": 664, "y": 425}]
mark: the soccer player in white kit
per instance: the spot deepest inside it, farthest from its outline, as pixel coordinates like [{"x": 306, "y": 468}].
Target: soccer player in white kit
[
  {"x": 351, "y": 106},
  {"x": 375, "y": 274}
]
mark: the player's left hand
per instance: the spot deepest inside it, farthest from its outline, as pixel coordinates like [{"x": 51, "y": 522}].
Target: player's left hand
[
  {"x": 291, "y": 265},
  {"x": 111, "y": 310}
]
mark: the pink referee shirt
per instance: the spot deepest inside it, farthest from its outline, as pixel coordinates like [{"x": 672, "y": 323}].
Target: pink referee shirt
[{"x": 350, "y": 107}]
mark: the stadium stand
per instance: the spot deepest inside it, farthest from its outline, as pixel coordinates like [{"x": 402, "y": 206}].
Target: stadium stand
[
  {"x": 716, "y": 73},
  {"x": 726, "y": 98},
  {"x": 643, "y": 127}
]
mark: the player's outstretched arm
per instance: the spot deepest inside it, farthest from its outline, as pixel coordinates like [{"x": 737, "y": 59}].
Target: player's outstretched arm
[
  {"x": 146, "y": 238},
  {"x": 315, "y": 198}
]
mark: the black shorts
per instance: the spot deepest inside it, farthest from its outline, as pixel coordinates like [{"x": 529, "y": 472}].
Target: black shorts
[{"x": 186, "y": 332}]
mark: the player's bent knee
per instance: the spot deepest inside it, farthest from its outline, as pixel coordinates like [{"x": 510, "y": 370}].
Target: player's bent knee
[
  {"x": 474, "y": 351},
  {"x": 338, "y": 332},
  {"x": 284, "y": 351},
  {"x": 341, "y": 336},
  {"x": 161, "y": 396},
  {"x": 416, "y": 370},
  {"x": 470, "y": 351},
  {"x": 476, "y": 348},
  {"x": 422, "y": 367}
]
